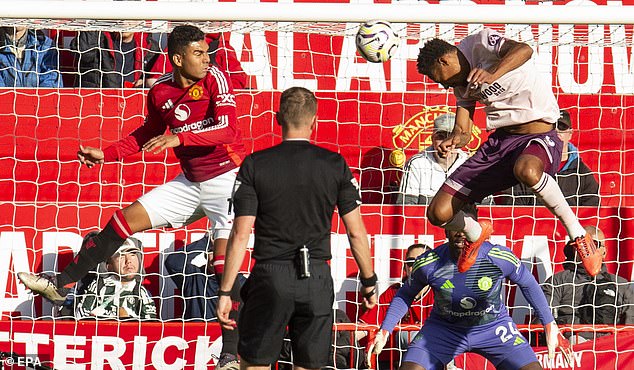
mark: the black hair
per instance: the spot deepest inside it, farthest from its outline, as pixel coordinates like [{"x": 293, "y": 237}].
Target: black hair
[
  {"x": 429, "y": 54},
  {"x": 180, "y": 37}
]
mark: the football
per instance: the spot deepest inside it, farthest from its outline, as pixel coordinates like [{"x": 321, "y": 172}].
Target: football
[{"x": 376, "y": 41}]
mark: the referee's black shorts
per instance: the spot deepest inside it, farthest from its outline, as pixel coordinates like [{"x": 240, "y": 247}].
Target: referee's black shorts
[{"x": 274, "y": 297}]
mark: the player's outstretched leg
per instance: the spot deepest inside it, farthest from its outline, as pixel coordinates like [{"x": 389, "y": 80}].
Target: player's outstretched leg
[
  {"x": 94, "y": 249},
  {"x": 531, "y": 169},
  {"x": 47, "y": 285}
]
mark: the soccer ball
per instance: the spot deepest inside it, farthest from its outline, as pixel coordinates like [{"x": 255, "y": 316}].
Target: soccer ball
[{"x": 376, "y": 41}]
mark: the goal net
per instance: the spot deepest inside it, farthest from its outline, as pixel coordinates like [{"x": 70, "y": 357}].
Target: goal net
[{"x": 376, "y": 115}]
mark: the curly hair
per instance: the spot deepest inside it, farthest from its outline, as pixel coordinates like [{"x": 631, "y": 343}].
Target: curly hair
[{"x": 428, "y": 54}]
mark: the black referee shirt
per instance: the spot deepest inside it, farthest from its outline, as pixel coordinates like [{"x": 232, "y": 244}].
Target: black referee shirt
[{"x": 292, "y": 189}]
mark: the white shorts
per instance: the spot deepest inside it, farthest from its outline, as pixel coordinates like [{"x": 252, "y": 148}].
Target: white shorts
[{"x": 181, "y": 202}]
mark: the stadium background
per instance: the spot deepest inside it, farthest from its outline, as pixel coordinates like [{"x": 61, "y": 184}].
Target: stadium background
[{"x": 367, "y": 112}]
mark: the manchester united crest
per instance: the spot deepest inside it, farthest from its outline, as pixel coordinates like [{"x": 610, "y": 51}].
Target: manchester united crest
[{"x": 196, "y": 92}]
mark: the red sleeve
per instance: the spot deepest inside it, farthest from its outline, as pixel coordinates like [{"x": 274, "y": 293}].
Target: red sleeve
[
  {"x": 153, "y": 126},
  {"x": 223, "y": 102},
  {"x": 376, "y": 315}
]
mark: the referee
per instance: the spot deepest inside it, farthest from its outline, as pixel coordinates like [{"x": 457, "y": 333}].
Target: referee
[{"x": 290, "y": 192}]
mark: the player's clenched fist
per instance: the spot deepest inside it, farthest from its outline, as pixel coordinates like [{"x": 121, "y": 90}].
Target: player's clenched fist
[
  {"x": 90, "y": 156},
  {"x": 448, "y": 145}
]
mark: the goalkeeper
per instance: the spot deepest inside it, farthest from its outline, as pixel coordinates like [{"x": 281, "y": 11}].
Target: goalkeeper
[{"x": 469, "y": 314}]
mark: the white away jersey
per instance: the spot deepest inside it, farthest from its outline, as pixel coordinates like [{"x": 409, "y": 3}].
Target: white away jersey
[{"x": 520, "y": 96}]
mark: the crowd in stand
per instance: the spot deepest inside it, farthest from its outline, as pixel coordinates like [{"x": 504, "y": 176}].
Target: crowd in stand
[{"x": 97, "y": 59}]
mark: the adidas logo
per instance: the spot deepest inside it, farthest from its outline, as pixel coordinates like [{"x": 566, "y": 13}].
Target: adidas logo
[
  {"x": 168, "y": 105},
  {"x": 518, "y": 340},
  {"x": 447, "y": 285}
]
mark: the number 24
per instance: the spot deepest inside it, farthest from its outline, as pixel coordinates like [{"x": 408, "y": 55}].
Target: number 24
[{"x": 502, "y": 332}]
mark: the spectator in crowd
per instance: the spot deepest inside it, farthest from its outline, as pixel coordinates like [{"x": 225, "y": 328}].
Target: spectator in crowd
[
  {"x": 417, "y": 312},
  {"x": 426, "y": 171},
  {"x": 221, "y": 54},
  {"x": 576, "y": 180},
  {"x": 192, "y": 270},
  {"x": 577, "y": 298},
  {"x": 116, "y": 292},
  {"x": 28, "y": 58},
  {"x": 113, "y": 59}
]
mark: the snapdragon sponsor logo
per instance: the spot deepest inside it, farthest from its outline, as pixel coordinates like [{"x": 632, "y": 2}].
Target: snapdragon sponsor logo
[
  {"x": 472, "y": 313},
  {"x": 199, "y": 125}
]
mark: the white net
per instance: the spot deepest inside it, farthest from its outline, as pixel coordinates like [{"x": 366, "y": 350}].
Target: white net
[{"x": 376, "y": 115}]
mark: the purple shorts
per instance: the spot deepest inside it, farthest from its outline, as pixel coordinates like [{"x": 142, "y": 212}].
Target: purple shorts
[
  {"x": 437, "y": 343},
  {"x": 490, "y": 169}
]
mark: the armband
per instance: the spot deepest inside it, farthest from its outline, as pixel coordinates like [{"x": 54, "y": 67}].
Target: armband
[{"x": 369, "y": 282}]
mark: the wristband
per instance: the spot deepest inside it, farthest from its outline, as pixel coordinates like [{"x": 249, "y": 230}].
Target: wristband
[
  {"x": 224, "y": 293},
  {"x": 369, "y": 282}
]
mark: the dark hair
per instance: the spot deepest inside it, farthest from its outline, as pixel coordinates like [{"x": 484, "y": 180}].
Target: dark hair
[
  {"x": 424, "y": 247},
  {"x": 428, "y": 54},
  {"x": 180, "y": 37},
  {"x": 297, "y": 106}
]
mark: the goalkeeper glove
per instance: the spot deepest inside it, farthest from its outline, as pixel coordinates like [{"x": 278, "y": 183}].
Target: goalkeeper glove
[
  {"x": 376, "y": 342},
  {"x": 555, "y": 339}
]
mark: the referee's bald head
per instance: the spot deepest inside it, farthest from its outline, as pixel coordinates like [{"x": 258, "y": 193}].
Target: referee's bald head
[{"x": 298, "y": 107}]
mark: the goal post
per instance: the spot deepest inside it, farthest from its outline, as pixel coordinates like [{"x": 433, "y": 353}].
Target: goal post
[
  {"x": 512, "y": 12},
  {"x": 376, "y": 115}
]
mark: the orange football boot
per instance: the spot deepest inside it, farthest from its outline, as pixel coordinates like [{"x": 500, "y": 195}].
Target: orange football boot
[
  {"x": 590, "y": 256},
  {"x": 470, "y": 251}
]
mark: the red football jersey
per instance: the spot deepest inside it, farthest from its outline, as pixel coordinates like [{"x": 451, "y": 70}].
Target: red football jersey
[
  {"x": 416, "y": 314},
  {"x": 204, "y": 118}
]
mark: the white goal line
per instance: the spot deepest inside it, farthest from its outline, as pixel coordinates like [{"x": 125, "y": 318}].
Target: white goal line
[{"x": 405, "y": 12}]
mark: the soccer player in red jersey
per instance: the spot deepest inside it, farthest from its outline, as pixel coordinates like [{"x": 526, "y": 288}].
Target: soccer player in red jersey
[{"x": 192, "y": 110}]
